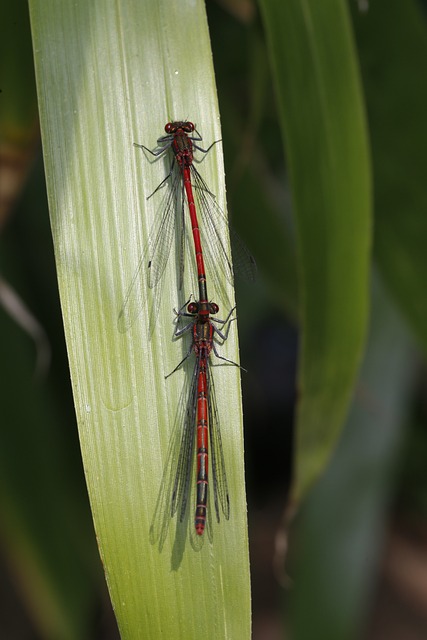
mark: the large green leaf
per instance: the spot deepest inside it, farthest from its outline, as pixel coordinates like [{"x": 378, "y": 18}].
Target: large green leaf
[
  {"x": 320, "y": 103},
  {"x": 108, "y": 75}
]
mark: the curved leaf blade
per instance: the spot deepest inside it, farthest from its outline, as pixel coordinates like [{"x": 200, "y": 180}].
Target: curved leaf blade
[
  {"x": 321, "y": 110},
  {"x": 109, "y": 75}
]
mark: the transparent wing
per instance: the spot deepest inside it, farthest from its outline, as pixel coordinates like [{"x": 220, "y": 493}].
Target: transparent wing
[
  {"x": 214, "y": 227},
  {"x": 184, "y": 468},
  {"x": 161, "y": 517},
  {"x": 219, "y": 476},
  {"x": 155, "y": 255},
  {"x": 160, "y": 239}
]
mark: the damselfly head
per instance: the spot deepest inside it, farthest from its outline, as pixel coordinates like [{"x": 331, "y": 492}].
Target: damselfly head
[{"x": 173, "y": 127}]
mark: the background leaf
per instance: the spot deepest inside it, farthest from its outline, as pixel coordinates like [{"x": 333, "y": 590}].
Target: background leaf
[
  {"x": 393, "y": 75},
  {"x": 341, "y": 529},
  {"x": 321, "y": 111}
]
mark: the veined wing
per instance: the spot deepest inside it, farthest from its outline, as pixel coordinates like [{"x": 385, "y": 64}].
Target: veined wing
[
  {"x": 216, "y": 455},
  {"x": 183, "y": 476},
  {"x": 214, "y": 228},
  {"x": 155, "y": 255}
]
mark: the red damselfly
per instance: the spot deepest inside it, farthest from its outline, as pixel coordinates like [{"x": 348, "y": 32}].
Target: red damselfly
[
  {"x": 186, "y": 184},
  {"x": 201, "y": 421}
]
